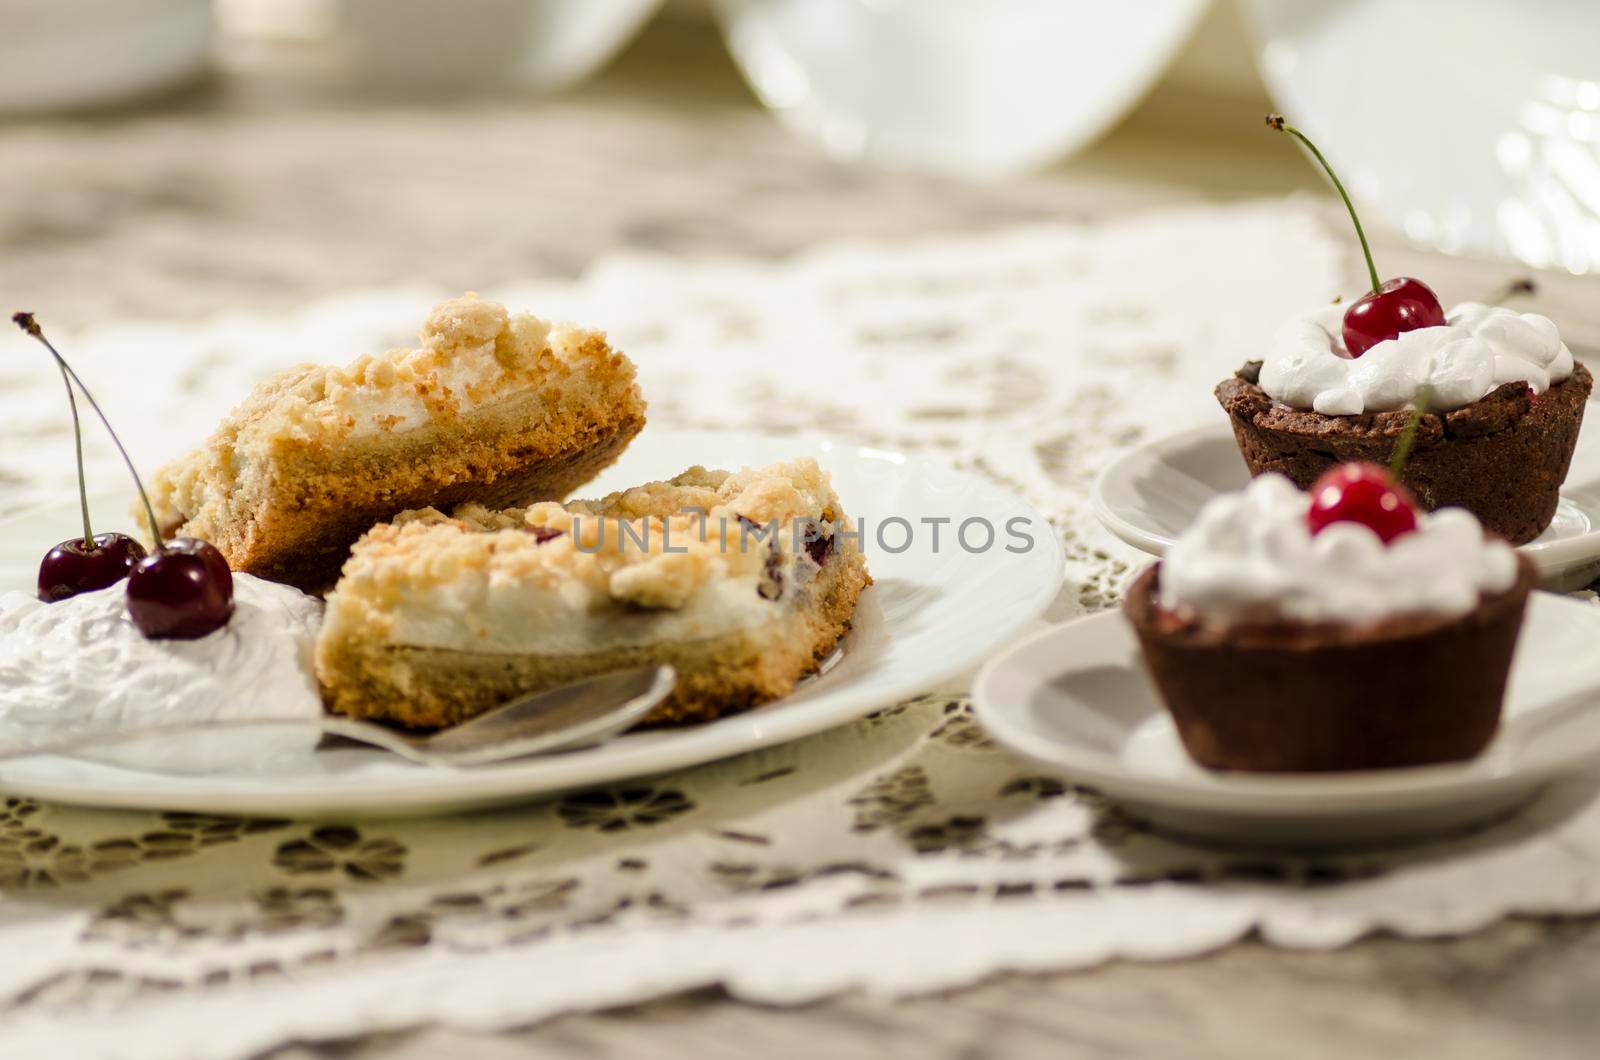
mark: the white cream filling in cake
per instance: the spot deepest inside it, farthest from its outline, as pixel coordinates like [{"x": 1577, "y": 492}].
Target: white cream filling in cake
[
  {"x": 376, "y": 409},
  {"x": 565, "y": 579},
  {"x": 412, "y": 390},
  {"x": 506, "y": 618}
]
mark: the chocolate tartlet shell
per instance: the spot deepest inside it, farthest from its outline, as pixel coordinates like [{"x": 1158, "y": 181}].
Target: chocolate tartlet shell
[
  {"x": 1291, "y": 697},
  {"x": 1503, "y": 457}
]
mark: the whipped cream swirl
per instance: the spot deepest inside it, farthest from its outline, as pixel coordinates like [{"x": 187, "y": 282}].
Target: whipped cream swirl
[
  {"x": 1250, "y": 557},
  {"x": 80, "y": 666},
  {"x": 1479, "y": 348}
]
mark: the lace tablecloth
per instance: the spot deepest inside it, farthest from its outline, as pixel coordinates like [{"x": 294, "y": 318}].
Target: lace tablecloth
[{"x": 902, "y": 854}]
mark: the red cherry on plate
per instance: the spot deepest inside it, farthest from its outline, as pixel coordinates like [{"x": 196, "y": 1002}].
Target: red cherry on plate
[
  {"x": 1362, "y": 493},
  {"x": 70, "y": 569},
  {"x": 90, "y": 561},
  {"x": 183, "y": 592},
  {"x": 1400, "y": 304}
]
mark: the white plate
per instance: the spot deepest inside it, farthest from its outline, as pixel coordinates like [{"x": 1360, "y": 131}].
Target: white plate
[
  {"x": 1150, "y": 495},
  {"x": 1076, "y": 697},
  {"x": 930, "y": 616}
]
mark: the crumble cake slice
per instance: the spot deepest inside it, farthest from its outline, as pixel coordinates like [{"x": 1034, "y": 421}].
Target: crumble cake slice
[
  {"x": 492, "y": 407},
  {"x": 742, "y": 581}
]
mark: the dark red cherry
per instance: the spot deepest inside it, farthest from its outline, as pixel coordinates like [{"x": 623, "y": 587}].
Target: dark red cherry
[
  {"x": 214, "y": 560},
  {"x": 541, "y": 534},
  {"x": 182, "y": 592},
  {"x": 70, "y": 569},
  {"x": 1362, "y": 493},
  {"x": 1400, "y": 304},
  {"x": 185, "y": 590},
  {"x": 90, "y": 561}
]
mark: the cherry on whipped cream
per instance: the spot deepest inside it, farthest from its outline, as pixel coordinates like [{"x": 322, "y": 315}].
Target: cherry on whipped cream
[
  {"x": 1392, "y": 306},
  {"x": 84, "y": 564},
  {"x": 185, "y": 589},
  {"x": 93, "y": 561},
  {"x": 1362, "y": 493},
  {"x": 182, "y": 592},
  {"x": 1400, "y": 304}
]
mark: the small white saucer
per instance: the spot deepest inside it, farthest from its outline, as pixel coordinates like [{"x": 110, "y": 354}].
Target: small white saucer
[
  {"x": 1075, "y": 697},
  {"x": 1150, "y": 495}
]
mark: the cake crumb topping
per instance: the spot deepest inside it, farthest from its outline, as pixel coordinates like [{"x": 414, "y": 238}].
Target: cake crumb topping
[
  {"x": 654, "y": 546},
  {"x": 472, "y": 354}
]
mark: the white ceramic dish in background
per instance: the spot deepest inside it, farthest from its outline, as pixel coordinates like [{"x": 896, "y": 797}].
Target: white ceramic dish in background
[
  {"x": 973, "y": 87},
  {"x": 544, "y": 45},
  {"x": 1472, "y": 127},
  {"x": 1076, "y": 697},
  {"x": 1150, "y": 495},
  {"x": 95, "y": 53},
  {"x": 930, "y": 616}
]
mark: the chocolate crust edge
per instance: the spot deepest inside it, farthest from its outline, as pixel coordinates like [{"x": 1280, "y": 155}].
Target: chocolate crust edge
[
  {"x": 1503, "y": 457},
  {"x": 1407, "y": 694}
]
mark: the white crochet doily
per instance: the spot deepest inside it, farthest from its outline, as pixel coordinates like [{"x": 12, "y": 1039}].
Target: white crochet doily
[{"x": 901, "y": 854}]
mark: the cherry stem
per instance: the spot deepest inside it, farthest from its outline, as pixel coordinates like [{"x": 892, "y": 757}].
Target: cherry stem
[
  {"x": 26, "y": 322},
  {"x": 1277, "y": 122},
  {"x": 83, "y": 488},
  {"x": 1408, "y": 436}
]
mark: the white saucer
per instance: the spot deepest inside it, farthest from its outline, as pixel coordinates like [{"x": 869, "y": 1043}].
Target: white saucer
[
  {"x": 1076, "y": 697},
  {"x": 1150, "y": 495},
  {"x": 931, "y": 615}
]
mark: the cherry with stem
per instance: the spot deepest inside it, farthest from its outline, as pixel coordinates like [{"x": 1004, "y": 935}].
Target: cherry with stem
[
  {"x": 81, "y": 565},
  {"x": 1365, "y": 493},
  {"x": 182, "y": 591},
  {"x": 1392, "y": 306}
]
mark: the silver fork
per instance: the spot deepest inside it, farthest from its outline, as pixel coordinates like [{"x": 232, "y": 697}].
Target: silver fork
[{"x": 581, "y": 714}]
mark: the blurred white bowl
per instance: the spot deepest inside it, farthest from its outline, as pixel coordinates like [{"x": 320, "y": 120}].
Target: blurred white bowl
[
  {"x": 540, "y": 44},
  {"x": 965, "y": 86},
  {"x": 57, "y": 55},
  {"x": 1474, "y": 127}
]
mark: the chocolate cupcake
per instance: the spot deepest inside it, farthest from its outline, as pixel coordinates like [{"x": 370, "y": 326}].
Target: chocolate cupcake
[
  {"x": 1284, "y": 639},
  {"x": 1504, "y": 397},
  {"x": 1506, "y": 402}
]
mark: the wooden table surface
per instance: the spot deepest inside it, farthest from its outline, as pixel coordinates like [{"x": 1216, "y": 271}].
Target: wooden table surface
[{"x": 282, "y": 180}]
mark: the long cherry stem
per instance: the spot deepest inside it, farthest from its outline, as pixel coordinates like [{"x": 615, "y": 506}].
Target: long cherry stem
[
  {"x": 1277, "y": 122},
  {"x": 83, "y": 486},
  {"x": 1408, "y": 436},
  {"x": 26, "y": 322}
]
